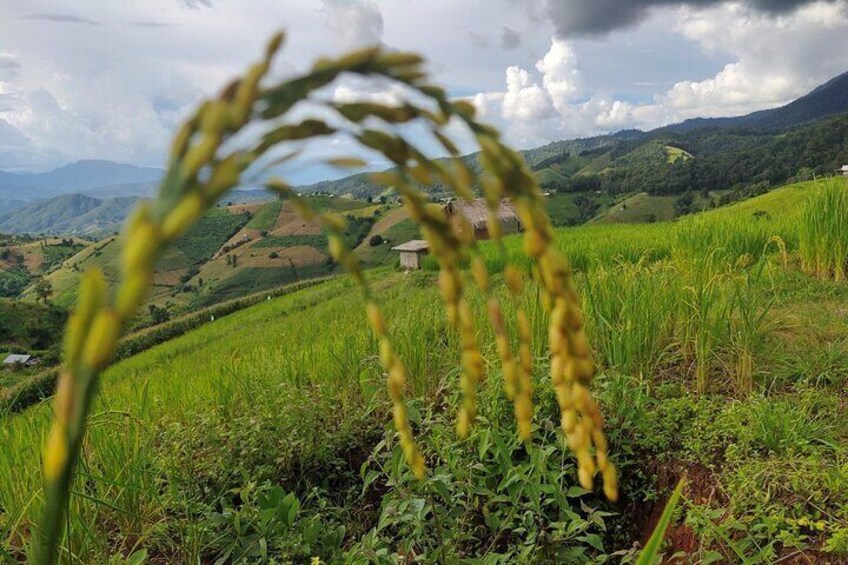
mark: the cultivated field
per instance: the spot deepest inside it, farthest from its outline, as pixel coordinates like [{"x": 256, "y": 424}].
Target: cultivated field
[{"x": 721, "y": 340}]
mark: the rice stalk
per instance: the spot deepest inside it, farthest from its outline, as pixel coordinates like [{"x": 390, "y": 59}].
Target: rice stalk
[
  {"x": 209, "y": 157},
  {"x": 822, "y": 233}
]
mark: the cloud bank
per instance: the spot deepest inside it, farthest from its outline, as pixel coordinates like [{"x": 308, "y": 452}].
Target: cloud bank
[
  {"x": 115, "y": 78},
  {"x": 597, "y": 17}
]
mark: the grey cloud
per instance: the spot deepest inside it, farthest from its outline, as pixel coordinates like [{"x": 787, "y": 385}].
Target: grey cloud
[
  {"x": 9, "y": 62},
  {"x": 62, "y": 18},
  {"x": 479, "y": 39},
  {"x": 195, "y": 4},
  {"x": 9, "y": 66},
  {"x": 597, "y": 17},
  {"x": 510, "y": 39}
]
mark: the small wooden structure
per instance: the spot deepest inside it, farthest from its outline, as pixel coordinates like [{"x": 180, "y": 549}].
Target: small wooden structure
[
  {"x": 411, "y": 253},
  {"x": 843, "y": 171},
  {"x": 476, "y": 213}
]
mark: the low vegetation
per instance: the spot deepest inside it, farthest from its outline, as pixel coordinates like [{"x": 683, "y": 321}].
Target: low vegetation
[{"x": 823, "y": 234}]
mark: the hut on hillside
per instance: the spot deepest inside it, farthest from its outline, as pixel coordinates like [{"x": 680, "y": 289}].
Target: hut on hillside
[
  {"x": 412, "y": 253},
  {"x": 20, "y": 360},
  {"x": 476, "y": 213},
  {"x": 843, "y": 171}
]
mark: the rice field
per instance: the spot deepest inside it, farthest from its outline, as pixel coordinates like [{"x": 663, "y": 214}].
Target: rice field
[{"x": 719, "y": 356}]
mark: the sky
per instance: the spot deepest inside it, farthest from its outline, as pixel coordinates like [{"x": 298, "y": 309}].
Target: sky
[{"x": 106, "y": 79}]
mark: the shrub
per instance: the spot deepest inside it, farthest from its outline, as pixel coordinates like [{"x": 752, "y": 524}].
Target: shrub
[{"x": 375, "y": 240}]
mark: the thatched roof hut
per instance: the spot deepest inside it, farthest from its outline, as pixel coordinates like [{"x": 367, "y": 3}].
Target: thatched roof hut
[
  {"x": 412, "y": 252},
  {"x": 476, "y": 212}
]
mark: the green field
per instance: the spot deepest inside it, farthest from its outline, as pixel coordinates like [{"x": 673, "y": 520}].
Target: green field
[
  {"x": 648, "y": 208},
  {"x": 266, "y": 217},
  {"x": 720, "y": 358},
  {"x": 676, "y": 153}
]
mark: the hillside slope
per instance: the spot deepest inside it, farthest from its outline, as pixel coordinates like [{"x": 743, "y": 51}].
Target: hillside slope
[
  {"x": 232, "y": 251},
  {"x": 287, "y": 398},
  {"x": 73, "y": 214},
  {"x": 825, "y": 100},
  {"x": 804, "y": 138}
]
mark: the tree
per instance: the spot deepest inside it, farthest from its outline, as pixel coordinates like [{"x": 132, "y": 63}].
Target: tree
[
  {"x": 43, "y": 289},
  {"x": 158, "y": 315}
]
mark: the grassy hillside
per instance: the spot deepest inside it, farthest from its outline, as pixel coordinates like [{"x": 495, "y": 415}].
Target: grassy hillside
[
  {"x": 677, "y": 154},
  {"x": 231, "y": 252},
  {"x": 24, "y": 259},
  {"x": 190, "y": 251},
  {"x": 73, "y": 214},
  {"x": 745, "y": 157},
  {"x": 32, "y": 329},
  {"x": 645, "y": 208},
  {"x": 196, "y": 441}
]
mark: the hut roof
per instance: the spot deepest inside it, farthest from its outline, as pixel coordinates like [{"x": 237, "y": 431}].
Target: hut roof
[
  {"x": 16, "y": 358},
  {"x": 413, "y": 246},
  {"x": 476, "y": 211}
]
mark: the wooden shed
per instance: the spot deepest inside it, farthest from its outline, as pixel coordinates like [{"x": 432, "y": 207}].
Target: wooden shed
[
  {"x": 476, "y": 213},
  {"x": 411, "y": 253}
]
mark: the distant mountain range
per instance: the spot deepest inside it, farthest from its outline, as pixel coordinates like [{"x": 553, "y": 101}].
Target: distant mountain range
[
  {"x": 69, "y": 214},
  {"x": 107, "y": 178},
  {"x": 633, "y": 160},
  {"x": 807, "y": 136},
  {"x": 826, "y": 100},
  {"x": 84, "y": 215}
]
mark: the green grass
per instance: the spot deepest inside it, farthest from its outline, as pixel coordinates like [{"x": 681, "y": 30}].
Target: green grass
[
  {"x": 192, "y": 440},
  {"x": 266, "y": 217},
  {"x": 823, "y": 235},
  {"x": 205, "y": 237},
  {"x": 676, "y": 153},
  {"x": 255, "y": 279},
  {"x": 572, "y": 209},
  {"x": 318, "y": 241},
  {"x": 382, "y": 254}
]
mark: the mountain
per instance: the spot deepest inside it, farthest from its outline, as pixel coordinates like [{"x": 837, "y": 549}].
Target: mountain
[
  {"x": 805, "y": 137},
  {"x": 107, "y": 178},
  {"x": 97, "y": 213},
  {"x": 72, "y": 214},
  {"x": 826, "y": 100},
  {"x": 744, "y": 153}
]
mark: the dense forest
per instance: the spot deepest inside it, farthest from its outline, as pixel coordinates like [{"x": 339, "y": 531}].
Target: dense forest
[{"x": 735, "y": 159}]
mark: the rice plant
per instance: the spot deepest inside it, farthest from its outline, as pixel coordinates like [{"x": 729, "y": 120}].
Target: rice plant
[
  {"x": 704, "y": 313},
  {"x": 750, "y": 306},
  {"x": 822, "y": 233},
  {"x": 210, "y": 155},
  {"x": 631, "y": 312}
]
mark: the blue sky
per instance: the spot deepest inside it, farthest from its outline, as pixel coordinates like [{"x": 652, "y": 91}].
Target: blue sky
[{"x": 83, "y": 79}]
